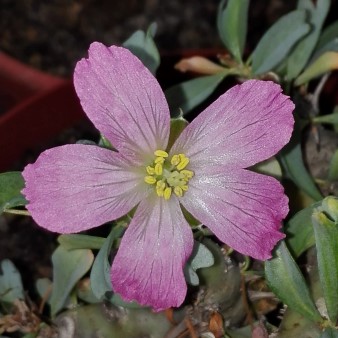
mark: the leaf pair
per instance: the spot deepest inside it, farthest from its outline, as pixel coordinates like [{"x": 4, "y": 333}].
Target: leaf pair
[{"x": 318, "y": 224}]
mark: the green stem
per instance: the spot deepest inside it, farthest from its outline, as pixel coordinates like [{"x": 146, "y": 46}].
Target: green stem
[{"x": 17, "y": 212}]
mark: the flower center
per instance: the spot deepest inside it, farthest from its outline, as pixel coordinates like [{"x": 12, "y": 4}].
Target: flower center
[{"x": 169, "y": 176}]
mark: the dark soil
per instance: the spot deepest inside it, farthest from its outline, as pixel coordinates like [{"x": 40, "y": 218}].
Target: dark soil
[{"x": 52, "y": 35}]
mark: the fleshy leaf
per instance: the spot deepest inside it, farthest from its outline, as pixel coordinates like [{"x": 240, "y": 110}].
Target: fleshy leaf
[
  {"x": 11, "y": 287},
  {"x": 329, "y": 33},
  {"x": 328, "y": 119},
  {"x": 328, "y": 41},
  {"x": 299, "y": 230},
  {"x": 201, "y": 257},
  {"x": 100, "y": 274},
  {"x": 292, "y": 162},
  {"x": 329, "y": 332},
  {"x": 333, "y": 169},
  {"x": 303, "y": 50},
  {"x": 232, "y": 20},
  {"x": 143, "y": 46},
  {"x": 79, "y": 241},
  {"x": 287, "y": 282},
  {"x": 43, "y": 287},
  {"x": 99, "y": 320},
  {"x": 189, "y": 94},
  {"x": 11, "y": 184},
  {"x": 325, "y": 225},
  {"x": 295, "y": 325},
  {"x": 325, "y": 63},
  {"x": 278, "y": 40},
  {"x": 85, "y": 292},
  {"x": 68, "y": 268},
  {"x": 222, "y": 283}
]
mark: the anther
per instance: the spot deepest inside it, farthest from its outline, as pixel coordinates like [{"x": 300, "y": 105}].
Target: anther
[
  {"x": 159, "y": 160},
  {"x": 175, "y": 160},
  {"x": 183, "y": 163},
  {"x": 150, "y": 170},
  {"x": 158, "y": 169},
  {"x": 169, "y": 179},
  {"x": 178, "y": 191},
  {"x": 167, "y": 193},
  {"x": 160, "y": 185},
  {"x": 187, "y": 173},
  {"x": 161, "y": 153},
  {"x": 150, "y": 179}
]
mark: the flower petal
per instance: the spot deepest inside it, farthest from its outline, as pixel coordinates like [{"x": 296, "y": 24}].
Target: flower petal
[
  {"x": 242, "y": 208},
  {"x": 123, "y": 99},
  {"x": 77, "y": 187},
  {"x": 248, "y": 124},
  {"x": 149, "y": 264}
]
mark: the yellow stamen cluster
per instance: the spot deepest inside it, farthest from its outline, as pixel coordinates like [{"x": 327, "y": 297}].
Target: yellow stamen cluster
[{"x": 169, "y": 176}]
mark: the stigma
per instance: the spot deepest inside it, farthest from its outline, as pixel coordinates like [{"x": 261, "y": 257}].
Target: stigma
[{"x": 169, "y": 176}]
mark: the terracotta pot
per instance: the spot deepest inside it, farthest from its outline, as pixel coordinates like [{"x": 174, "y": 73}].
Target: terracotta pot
[{"x": 34, "y": 108}]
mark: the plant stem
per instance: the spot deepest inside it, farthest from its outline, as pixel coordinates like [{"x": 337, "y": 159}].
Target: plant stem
[{"x": 17, "y": 212}]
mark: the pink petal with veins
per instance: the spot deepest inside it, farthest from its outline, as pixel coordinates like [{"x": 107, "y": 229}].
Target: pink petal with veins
[
  {"x": 77, "y": 187},
  {"x": 123, "y": 100},
  {"x": 148, "y": 266}
]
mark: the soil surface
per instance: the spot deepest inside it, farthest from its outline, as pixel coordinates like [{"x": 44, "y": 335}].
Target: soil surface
[{"x": 52, "y": 35}]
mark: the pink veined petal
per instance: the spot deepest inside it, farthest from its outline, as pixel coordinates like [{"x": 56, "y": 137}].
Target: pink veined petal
[
  {"x": 123, "y": 100},
  {"x": 248, "y": 124},
  {"x": 243, "y": 209},
  {"x": 148, "y": 266},
  {"x": 77, "y": 187}
]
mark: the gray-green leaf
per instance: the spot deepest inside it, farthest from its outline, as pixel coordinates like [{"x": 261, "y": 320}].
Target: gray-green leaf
[
  {"x": 11, "y": 287},
  {"x": 232, "y": 19},
  {"x": 329, "y": 33},
  {"x": 292, "y": 162},
  {"x": 287, "y": 282},
  {"x": 100, "y": 274},
  {"x": 278, "y": 41},
  {"x": 201, "y": 257},
  {"x": 329, "y": 119},
  {"x": 333, "y": 169},
  {"x": 187, "y": 95},
  {"x": 79, "y": 241},
  {"x": 300, "y": 55},
  {"x": 143, "y": 46},
  {"x": 299, "y": 230},
  {"x": 326, "y": 235},
  {"x": 328, "y": 41},
  {"x": 69, "y": 266}
]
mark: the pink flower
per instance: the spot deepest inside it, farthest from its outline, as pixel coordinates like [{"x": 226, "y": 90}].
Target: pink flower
[{"x": 76, "y": 187}]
